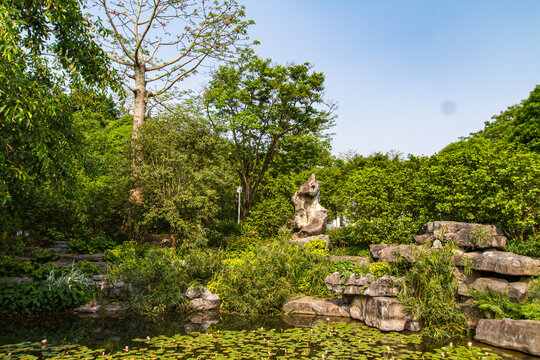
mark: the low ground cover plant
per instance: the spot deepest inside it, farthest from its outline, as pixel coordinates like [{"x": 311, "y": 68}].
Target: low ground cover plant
[{"x": 61, "y": 290}]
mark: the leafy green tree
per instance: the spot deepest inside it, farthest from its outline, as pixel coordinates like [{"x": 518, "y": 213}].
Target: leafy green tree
[
  {"x": 45, "y": 47},
  {"x": 261, "y": 107},
  {"x": 518, "y": 124},
  {"x": 188, "y": 184}
]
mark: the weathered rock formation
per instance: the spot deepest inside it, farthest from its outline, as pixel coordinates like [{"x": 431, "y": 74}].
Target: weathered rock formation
[
  {"x": 521, "y": 335},
  {"x": 384, "y": 313},
  {"x": 476, "y": 236},
  {"x": 310, "y": 306},
  {"x": 507, "y": 263},
  {"x": 202, "y": 299},
  {"x": 310, "y": 217}
]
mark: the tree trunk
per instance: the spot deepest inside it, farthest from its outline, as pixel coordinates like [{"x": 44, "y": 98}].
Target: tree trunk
[
  {"x": 141, "y": 95},
  {"x": 139, "y": 112}
]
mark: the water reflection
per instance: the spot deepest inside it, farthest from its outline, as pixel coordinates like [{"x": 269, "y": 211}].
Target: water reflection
[{"x": 113, "y": 332}]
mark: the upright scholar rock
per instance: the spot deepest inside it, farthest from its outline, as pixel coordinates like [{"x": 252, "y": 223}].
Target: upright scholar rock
[{"x": 310, "y": 217}]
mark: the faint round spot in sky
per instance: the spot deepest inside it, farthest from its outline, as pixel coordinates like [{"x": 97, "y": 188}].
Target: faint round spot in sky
[{"x": 448, "y": 108}]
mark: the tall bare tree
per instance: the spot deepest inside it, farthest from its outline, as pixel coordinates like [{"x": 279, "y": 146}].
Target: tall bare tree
[{"x": 160, "y": 42}]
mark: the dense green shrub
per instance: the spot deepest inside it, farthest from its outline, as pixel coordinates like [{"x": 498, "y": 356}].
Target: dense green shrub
[
  {"x": 429, "y": 293},
  {"x": 60, "y": 291},
  {"x": 44, "y": 255},
  {"x": 482, "y": 181},
  {"x": 10, "y": 266},
  {"x": 260, "y": 280},
  {"x": 382, "y": 204},
  {"x": 158, "y": 278},
  {"x": 91, "y": 244}
]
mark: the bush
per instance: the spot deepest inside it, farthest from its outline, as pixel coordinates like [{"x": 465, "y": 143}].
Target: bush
[
  {"x": 58, "y": 292},
  {"x": 382, "y": 205},
  {"x": 260, "y": 280},
  {"x": 12, "y": 267},
  {"x": 158, "y": 276},
  {"x": 429, "y": 293},
  {"x": 44, "y": 255},
  {"x": 91, "y": 245},
  {"x": 528, "y": 247}
]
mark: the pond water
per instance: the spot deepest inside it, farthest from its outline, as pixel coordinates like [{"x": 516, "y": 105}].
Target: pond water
[{"x": 219, "y": 336}]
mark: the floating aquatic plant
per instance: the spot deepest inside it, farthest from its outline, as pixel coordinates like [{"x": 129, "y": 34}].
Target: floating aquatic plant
[{"x": 327, "y": 341}]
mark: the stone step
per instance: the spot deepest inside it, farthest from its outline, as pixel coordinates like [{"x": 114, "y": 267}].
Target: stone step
[{"x": 77, "y": 257}]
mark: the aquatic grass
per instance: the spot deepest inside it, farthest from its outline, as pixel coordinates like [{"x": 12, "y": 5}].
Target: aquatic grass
[{"x": 327, "y": 341}]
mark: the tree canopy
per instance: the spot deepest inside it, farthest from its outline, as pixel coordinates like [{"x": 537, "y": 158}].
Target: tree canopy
[
  {"x": 44, "y": 47},
  {"x": 518, "y": 124},
  {"x": 261, "y": 107}
]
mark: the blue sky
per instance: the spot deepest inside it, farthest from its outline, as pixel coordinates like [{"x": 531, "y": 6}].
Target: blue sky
[{"x": 411, "y": 76}]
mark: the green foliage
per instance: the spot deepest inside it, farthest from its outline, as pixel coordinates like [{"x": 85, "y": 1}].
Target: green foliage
[
  {"x": 158, "y": 276},
  {"x": 10, "y": 266},
  {"x": 347, "y": 267},
  {"x": 429, "y": 293},
  {"x": 518, "y": 124},
  {"x": 91, "y": 245},
  {"x": 263, "y": 109},
  {"x": 481, "y": 181},
  {"x": 44, "y": 255},
  {"x": 125, "y": 252},
  {"x": 379, "y": 268},
  {"x": 358, "y": 250},
  {"x": 528, "y": 247},
  {"x": 346, "y": 237},
  {"x": 86, "y": 267},
  {"x": 36, "y": 127},
  {"x": 202, "y": 264},
  {"x": 317, "y": 247},
  {"x": 260, "y": 280},
  {"x": 58, "y": 292},
  {"x": 41, "y": 272},
  {"x": 187, "y": 183},
  {"x": 493, "y": 305},
  {"x": 382, "y": 203},
  {"x": 217, "y": 235}
]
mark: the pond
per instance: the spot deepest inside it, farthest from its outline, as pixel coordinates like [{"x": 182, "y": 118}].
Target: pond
[{"x": 219, "y": 336}]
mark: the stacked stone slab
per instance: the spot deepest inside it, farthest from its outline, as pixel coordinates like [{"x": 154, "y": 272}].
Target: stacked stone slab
[
  {"x": 481, "y": 247},
  {"x": 373, "y": 301}
]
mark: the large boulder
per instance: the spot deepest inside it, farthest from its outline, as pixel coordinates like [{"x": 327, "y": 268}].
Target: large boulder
[
  {"x": 384, "y": 286},
  {"x": 375, "y": 249},
  {"x": 516, "y": 291},
  {"x": 202, "y": 299},
  {"x": 355, "y": 285},
  {"x": 309, "y": 306},
  {"x": 333, "y": 283},
  {"x": 521, "y": 335},
  {"x": 507, "y": 263},
  {"x": 309, "y": 216},
  {"x": 383, "y": 313},
  {"x": 393, "y": 253},
  {"x": 468, "y": 235}
]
